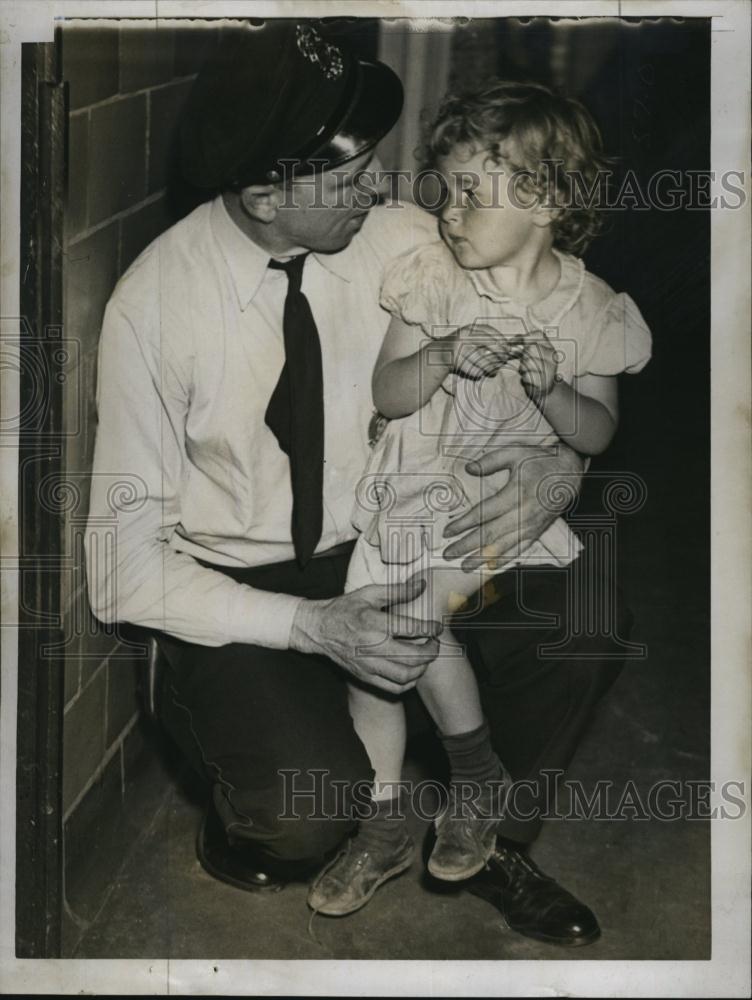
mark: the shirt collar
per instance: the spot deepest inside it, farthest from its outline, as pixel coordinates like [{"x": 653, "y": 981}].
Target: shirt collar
[
  {"x": 347, "y": 263},
  {"x": 247, "y": 262},
  {"x": 337, "y": 263},
  {"x": 550, "y": 310}
]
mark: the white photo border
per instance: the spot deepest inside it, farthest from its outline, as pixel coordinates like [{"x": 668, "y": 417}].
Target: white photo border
[{"x": 727, "y": 973}]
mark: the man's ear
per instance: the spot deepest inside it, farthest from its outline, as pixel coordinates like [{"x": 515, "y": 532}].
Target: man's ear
[{"x": 260, "y": 202}]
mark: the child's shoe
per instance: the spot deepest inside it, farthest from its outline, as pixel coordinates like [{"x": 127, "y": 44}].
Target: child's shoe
[
  {"x": 466, "y": 832},
  {"x": 353, "y": 876}
]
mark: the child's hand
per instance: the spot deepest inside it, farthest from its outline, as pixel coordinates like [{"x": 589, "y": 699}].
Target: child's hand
[
  {"x": 538, "y": 367},
  {"x": 480, "y": 351}
]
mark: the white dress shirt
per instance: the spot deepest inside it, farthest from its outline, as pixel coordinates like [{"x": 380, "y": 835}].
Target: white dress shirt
[{"x": 190, "y": 352}]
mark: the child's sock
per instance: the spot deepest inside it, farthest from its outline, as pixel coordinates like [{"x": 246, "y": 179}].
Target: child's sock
[
  {"x": 386, "y": 828},
  {"x": 471, "y": 757}
]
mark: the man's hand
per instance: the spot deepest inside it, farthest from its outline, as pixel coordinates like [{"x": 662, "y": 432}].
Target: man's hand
[
  {"x": 515, "y": 516},
  {"x": 359, "y": 633}
]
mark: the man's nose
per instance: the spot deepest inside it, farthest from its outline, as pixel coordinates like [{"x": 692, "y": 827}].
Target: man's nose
[
  {"x": 379, "y": 180},
  {"x": 375, "y": 164}
]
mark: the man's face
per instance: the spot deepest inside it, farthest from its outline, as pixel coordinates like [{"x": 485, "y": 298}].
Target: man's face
[{"x": 323, "y": 212}]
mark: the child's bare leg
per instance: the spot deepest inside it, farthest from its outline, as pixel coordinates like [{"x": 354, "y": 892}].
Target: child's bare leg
[
  {"x": 382, "y": 847},
  {"x": 448, "y": 687},
  {"x": 379, "y": 721},
  {"x": 450, "y": 692}
]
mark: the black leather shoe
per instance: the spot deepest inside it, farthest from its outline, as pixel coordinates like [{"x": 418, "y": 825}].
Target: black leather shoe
[
  {"x": 532, "y": 903},
  {"x": 239, "y": 864}
]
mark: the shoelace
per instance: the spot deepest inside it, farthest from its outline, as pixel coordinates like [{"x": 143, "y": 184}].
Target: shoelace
[
  {"x": 467, "y": 821},
  {"x": 517, "y": 867},
  {"x": 314, "y": 909},
  {"x": 358, "y": 863},
  {"x": 311, "y": 935},
  {"x": 355, "y": 862},
  {"x": 494, "y": 800},
  {"x": 464, "y": 826}
]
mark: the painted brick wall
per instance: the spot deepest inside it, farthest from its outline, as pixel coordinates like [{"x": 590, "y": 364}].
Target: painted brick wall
[{"x": 127, "y": 85}]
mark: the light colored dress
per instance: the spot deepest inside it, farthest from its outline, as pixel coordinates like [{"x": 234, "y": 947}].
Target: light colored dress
[{"x": 415, "y": 480}]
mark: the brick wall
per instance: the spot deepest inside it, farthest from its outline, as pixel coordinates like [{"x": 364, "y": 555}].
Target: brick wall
[{"x": 127, "y": 84}]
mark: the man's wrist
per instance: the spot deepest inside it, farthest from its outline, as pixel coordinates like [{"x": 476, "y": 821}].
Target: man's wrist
[
  {"x": 260, "y": 617},
  {"x": 304, "y": 624}
]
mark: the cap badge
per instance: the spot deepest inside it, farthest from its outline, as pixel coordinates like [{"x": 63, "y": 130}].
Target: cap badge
[{"x": 323, "y": 54}]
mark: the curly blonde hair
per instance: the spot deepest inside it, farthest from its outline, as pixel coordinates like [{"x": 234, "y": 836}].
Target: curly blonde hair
[{"x": 543, "y": 127}]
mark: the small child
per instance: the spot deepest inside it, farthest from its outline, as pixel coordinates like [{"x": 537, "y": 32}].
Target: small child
[{"x": 499, "y": 337}]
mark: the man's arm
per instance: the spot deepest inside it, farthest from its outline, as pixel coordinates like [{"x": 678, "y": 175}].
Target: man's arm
[
  {"x": 135, "y": 575},
  {"x": 542, "y": 484}
]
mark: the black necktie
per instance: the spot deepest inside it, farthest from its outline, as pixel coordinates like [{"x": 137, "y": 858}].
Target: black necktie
[{"x": 296, "y": 411}]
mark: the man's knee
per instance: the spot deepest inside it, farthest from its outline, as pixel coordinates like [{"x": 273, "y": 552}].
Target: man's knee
[
  {"x": 303, "y": 814},
  {"x": 312, "y": 815},
  {"x": 307, "y": 839}
]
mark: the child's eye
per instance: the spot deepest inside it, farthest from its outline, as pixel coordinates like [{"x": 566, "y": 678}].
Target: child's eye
[{"x": 457, "y": 195}]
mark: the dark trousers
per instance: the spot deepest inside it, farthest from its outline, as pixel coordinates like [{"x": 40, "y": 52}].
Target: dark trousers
[{"x": 270, "y": 729}]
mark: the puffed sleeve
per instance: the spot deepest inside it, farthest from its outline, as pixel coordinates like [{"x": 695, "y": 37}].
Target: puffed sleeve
[
  {"x": 423, "y": 288},
  {"x": 621, "y": 340}
]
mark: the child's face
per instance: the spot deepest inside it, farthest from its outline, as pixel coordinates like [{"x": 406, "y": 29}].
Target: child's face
[{"x": 485, "y": 221}]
